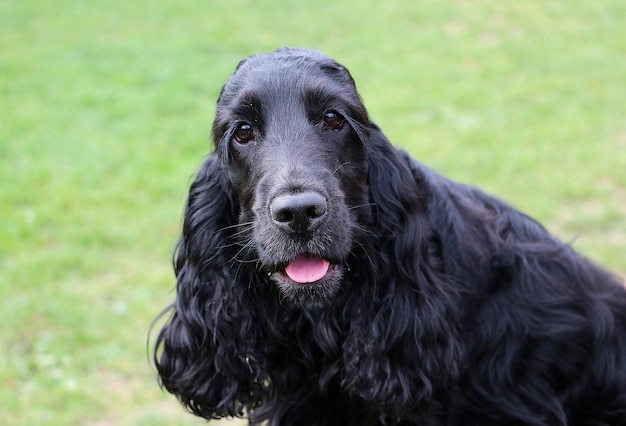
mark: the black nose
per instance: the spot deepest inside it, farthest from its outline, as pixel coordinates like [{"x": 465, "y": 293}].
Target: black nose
[{"x": 300, "y": 212}]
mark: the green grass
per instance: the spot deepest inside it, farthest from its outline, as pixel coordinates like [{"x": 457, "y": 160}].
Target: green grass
[{"x": 105, "y": 111}]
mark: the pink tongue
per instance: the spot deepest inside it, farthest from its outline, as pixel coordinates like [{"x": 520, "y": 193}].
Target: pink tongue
[{"x": 307, "y": 269}]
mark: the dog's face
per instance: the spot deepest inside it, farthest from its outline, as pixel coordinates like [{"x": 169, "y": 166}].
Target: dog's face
[{"x": 289, "y": 127}]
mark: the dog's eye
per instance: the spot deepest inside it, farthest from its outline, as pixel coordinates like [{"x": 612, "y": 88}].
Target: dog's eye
[
  {"x": 244, "y": 133},
  {"x": 334, "y": 120}
]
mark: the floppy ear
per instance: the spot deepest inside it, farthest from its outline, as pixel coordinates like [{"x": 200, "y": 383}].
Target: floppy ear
[
  {"x": 201, "y": 352},
  {"x": 413, "y": 317},
  {"x": 400, "y": 195}
]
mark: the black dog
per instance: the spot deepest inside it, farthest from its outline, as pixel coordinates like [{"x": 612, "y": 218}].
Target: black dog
[{"x": 326, "y": 278}]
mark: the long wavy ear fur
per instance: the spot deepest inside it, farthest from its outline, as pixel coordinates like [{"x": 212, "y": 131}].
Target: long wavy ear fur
[
  {"x": 199, "y": 354},
  {"x": 413, "y": 322}
]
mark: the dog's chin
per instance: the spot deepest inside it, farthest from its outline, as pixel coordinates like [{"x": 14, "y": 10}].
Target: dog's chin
[{"x": 309, "y": 295}]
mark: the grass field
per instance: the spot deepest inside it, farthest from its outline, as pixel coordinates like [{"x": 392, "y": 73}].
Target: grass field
[{"x": 105, "y": 111}]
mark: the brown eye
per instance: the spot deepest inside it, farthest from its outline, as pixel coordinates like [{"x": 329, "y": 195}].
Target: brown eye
[
  {"x": 333, "y": 120},
  {"x": 244, "y": 133}
]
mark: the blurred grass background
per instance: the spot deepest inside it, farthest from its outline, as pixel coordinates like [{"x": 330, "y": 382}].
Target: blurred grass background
[{"x": 105, "y": 111}]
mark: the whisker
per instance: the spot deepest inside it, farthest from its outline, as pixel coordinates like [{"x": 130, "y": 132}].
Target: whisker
[
  {"x": 362, "y": 205},
  {"x": 238, "y": 271},
  {"x": 244, "y": 262},
  {"x": 365, "y": 230},
  {"x": 340, "y": 166},
  {"x": 235, "y": 257},
  {"x": 233, "y": 244},
  {"x": 236, "y": 225},
  {"x": 243, "y": 231}
]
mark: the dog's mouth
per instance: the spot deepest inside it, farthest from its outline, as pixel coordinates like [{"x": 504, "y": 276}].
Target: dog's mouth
[
  {"x": 307, "y": 269},
  {"x": 308, "y": 280}
]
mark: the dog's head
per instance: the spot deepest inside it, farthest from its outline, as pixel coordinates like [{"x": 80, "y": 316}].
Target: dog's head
[
  {"x": 290, "y": 130},
  {"x": 305, "y": 194}
]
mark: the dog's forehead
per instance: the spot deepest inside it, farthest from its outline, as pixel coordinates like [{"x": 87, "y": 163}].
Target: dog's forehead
[
  {"x": 289, "y": 59},
  {"x": 285, "y": 75},
  {"x": 280, "y": 76}
]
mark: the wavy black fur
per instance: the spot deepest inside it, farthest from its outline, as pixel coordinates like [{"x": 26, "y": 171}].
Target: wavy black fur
[{"x": 444, "y": 305}]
